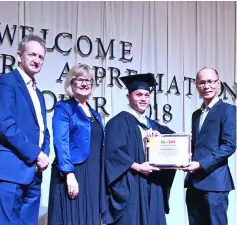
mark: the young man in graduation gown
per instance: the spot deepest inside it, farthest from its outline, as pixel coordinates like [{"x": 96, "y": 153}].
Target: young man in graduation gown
[{"x": 133, "y": 192}]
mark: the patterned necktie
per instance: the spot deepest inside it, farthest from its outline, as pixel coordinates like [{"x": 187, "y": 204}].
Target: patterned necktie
[{"x": 32, "y": 84}]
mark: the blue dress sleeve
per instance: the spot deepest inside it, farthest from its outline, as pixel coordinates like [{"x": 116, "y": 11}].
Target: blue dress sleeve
[{"x": 60, "y": 123}]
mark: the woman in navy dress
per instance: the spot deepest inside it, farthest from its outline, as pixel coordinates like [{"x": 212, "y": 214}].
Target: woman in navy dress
[{"x": 78, "y": 140}]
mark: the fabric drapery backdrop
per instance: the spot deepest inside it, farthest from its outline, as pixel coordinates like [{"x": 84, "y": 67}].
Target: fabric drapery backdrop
[{"x": 170, "y": 38}]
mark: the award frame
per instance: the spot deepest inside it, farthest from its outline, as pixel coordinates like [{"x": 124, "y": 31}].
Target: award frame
[{"x": 168, "y": 151}]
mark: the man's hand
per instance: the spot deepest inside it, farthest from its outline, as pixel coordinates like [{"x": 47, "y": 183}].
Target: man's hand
[
  {"x": 152, "y": 133},
  {"x": 191, "y": 167},
  {"x": 180, "y": 133},
  {"x": 72, "y": 186},
  {"x": 42, "y": 162},
  {"x": 144, "y": 168}
]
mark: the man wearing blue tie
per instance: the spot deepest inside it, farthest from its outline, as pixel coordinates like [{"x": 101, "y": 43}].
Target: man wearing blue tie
[
  {"x": 24, "y": 137},
  {"x": 209, "y": 179}
]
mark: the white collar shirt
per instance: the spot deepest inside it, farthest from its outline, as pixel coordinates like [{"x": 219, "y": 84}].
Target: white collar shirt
[
  {"x": 205, "y": 111},
  {"x": 31, "y": 86}
]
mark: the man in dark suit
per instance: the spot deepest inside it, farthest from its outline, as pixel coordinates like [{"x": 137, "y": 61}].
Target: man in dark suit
[
  {"x": 24, "y": 137},
  {"x": 209, "y": 179}
]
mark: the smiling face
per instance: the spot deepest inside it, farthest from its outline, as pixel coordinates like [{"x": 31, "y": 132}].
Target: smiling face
[
  {"x": 82, "y": 85},
  {"x": 208, "y": 84},
  {"x": 139, "y": 100},
  {"x": 32, "y": 58}
]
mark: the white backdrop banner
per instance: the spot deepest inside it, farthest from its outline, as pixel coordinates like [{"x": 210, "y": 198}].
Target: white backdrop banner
[{"x": 172, "y": 40}]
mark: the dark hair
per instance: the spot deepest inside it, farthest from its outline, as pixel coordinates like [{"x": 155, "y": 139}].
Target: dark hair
[
  {"x": 29, "y": 38},
  {"x": 209, "y": 68}
]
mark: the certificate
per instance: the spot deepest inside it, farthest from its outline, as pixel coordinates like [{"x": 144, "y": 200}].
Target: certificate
[{"x": 168, "y": 151}]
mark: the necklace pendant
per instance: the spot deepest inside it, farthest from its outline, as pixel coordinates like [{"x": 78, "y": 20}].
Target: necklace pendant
[{"x": 92, "y": 118}]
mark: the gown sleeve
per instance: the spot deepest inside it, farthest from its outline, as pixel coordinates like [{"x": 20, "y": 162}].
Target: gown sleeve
[
  {"x": 117, "y": 179},
  {"x": 117, "y": 158}
]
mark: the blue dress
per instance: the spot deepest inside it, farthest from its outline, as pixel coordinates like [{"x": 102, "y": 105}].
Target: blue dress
[{"x": 84, "y": 210}]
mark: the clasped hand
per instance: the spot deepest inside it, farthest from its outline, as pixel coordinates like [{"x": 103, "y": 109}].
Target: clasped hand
[{"x": 42, "y": 162}]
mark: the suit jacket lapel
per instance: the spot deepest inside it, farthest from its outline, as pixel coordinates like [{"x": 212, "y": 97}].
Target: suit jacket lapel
[
  {"x": 79, "y": 111},
  {"x": 196, "y": 122},
  {"x": 42, "y": 105},
  {"x": 25, "y": 92},
  {"x": 210, "y": 114},
  {"x": 83, "y": 114}
]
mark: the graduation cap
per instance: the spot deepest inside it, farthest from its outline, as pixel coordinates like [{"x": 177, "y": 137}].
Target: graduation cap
[{"x": 140, "y": 81}]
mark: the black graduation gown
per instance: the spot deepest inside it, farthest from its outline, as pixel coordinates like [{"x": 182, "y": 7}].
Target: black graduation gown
[{"x": 128, "y": 197}]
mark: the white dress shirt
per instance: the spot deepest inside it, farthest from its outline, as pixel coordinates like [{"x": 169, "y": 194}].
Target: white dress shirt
[
  {"x": 205, "y": 111},
  {"x": 31, "y": 86}
]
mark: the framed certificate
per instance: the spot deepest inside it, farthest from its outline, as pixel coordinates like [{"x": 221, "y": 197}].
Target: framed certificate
[{"x": 168, "y": 150}]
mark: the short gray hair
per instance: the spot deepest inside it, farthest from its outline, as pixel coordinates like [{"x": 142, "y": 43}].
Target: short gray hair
[
  {"x": 75, "y": 72},
  {"x": 29, "y": 38},
  {"x": 207, "y": 68}
]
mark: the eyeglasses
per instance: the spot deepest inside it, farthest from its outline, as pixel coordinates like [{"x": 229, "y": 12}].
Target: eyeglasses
[
  {"x": 82, "y": 80},
  {"x": 208, "y": 82}
]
